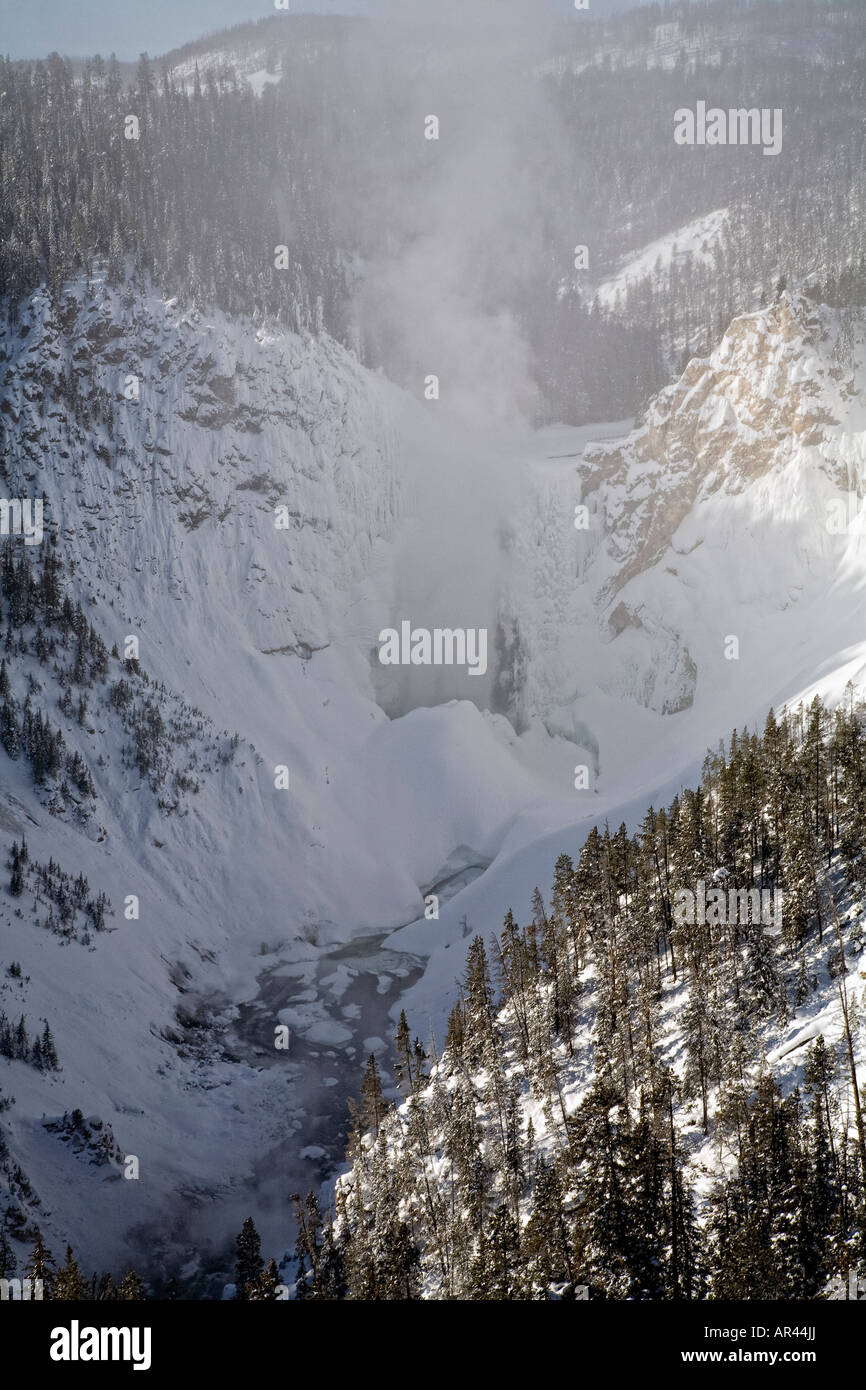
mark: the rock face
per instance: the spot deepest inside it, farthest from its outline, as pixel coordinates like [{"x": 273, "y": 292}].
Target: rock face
[
  {"x": 707, "y": 521},
  {"x": 222, "y": 496},
  {"x": 730, "y": 420},
  {"x": 253, "y": 508},
  {"x": 171, "y": 446},
  {"x": 164, "y": 442}
]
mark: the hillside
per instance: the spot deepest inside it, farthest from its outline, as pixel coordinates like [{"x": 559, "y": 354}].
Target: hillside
[
  {"x": 659, "y": 1096},
  {"x": 281, "y": 376}
]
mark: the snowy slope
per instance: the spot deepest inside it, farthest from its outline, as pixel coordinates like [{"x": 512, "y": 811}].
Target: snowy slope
[
  {"x": 708, "y": 521},
  {"x": 715, "y": 519},
  {"x": 636, "y": 41},
  {"x": 695, "y": 241},
  {"x": 252, "y": 53},
  {"x": 166, "y": 509}
]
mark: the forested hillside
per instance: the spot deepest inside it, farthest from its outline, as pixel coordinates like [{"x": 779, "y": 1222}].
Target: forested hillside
[
  {"x": 322, "y": 329},
  {"x": 214, "y": 177},
  {"x": 603, "y": 1115},
  {"x": 607, "y": 1118}
]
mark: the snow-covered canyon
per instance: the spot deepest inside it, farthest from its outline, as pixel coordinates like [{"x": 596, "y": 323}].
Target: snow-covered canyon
[{"x": 255, "y": 508}]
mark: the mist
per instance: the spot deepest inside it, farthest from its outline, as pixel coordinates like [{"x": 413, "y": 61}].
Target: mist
[{"x": 457, "y": 228}]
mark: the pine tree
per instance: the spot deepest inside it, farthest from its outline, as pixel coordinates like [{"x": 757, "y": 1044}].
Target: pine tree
[
  {"x": 16, "y": 882},
  {"x": 69, "y": 1284},
  {"x": 250, "y": 1264},
  {"x": 40, "y": 1265},
  {"x": 131, "y": 1289},
  {"x": 373, "y": 1105},
  {"x": 546, "y": 1240},
  {"x": 49, "y": 1051},
  {"x": 398, "y": 1264},
  {"x": 308, "y": 1244},
  {"x": 478, "y": 996},
  {"x": 267, "y": 1284},
  {"x": 497, "y": 1272},
  {"x": 403, "y": 1074},
  {"x": 331, "y": 1280},
  {"x": 8, "y": 1262}
]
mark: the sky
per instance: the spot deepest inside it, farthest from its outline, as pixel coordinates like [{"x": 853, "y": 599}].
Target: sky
[{"x": 35, "y": 28}]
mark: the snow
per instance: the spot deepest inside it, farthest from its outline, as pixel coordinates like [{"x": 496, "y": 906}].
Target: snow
[
  {"x": 261, "y": 78},
  {"x": 707, "y": 520},
  {"x": 695, "y": 240},
  {"x": 250, "y": 64}
]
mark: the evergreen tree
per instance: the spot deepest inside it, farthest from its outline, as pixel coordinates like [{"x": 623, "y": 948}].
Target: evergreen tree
[
  {"x": 250, "y": 1264},
  {"x": 16, "y": 882},
  {"x": 131, "y": 1289},
  {"x": 373, "y": 1105},
  {"x": 267, "y": 1284},
  {"x": 48, "y": 1050},
  {"x": 8, "y": 1262},
  {"x": 403, "y": 1067},
  {"x": 40, "y": 1265},
  {"x": 69, "y": 1284}
]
